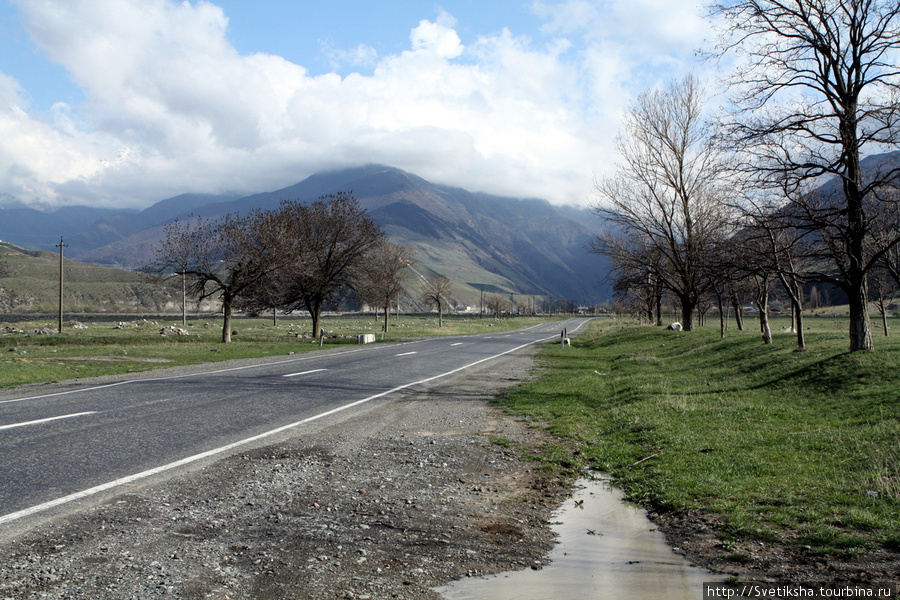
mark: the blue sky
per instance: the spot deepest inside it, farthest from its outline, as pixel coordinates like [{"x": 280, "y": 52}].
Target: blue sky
[{"x": 122, "y": 103}]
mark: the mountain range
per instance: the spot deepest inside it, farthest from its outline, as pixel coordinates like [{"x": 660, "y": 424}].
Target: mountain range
[{"x": 481, "y": 242}]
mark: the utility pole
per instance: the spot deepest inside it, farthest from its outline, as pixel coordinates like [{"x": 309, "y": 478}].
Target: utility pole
[
  {"x": 184, "y": 299},
  {"x": 61, "y": 246}
]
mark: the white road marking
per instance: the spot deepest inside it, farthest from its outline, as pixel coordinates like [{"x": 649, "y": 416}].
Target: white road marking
[
  {"x": 304, "y": 373},
  {"x": 209, "y": 453},
  {"x": 406, "y": 353},
  {"x": 457, "y": 344},
  {"x": 46, "y": 420}
]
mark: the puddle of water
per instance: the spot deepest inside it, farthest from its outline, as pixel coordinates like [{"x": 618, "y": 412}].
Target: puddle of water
[{"x": 607, "y": 549}]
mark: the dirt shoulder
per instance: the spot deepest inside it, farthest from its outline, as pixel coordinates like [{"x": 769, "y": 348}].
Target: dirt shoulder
[
  {"x": 703, "y": 539},
  {"x": 401, "y": 496}
]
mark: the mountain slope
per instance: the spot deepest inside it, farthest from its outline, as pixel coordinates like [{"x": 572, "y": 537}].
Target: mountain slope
[
  {"x": 482, "y": 242},
  {"x": 121, "y": 226},
  {"x": 41, "y": 230}
]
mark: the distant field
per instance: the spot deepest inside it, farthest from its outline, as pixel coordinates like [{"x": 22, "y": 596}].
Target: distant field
[
  {"x": 787, "y": 446},
  {"x": 103, "y": 349}
]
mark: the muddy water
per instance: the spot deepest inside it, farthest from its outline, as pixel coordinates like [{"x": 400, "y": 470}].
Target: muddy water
[{"x": 607, "y": 549}]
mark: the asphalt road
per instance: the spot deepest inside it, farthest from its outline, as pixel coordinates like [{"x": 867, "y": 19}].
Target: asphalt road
[{"x": 75, "y": 441}]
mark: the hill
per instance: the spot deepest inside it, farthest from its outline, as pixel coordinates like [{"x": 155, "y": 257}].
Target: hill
[{"x": 29, "y": 282}]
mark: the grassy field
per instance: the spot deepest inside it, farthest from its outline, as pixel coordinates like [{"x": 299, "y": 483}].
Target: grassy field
[
  {"x": 103, "y": 349},
  {"x": 785, "y": 445}
]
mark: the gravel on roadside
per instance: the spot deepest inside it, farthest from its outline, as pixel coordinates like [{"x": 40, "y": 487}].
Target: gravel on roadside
[{"x": 403, "y": 495}]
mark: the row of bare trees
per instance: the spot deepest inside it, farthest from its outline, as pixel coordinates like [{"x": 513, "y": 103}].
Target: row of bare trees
[
  {"x": 297, "y": 257},
  {"x": 774, "y": 189}
]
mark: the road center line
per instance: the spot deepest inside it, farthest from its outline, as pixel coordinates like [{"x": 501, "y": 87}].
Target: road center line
[
  {"x": 457, "y": 344},
  {"x": 47, "y": 420},
  {"x": 304, "y": 373},
  {"x": 209, "y": 453},
  {"x": 406, "y": 354}
]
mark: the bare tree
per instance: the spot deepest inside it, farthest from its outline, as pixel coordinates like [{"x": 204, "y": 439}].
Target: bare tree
[
  {"x": 435, "y": 290},
  {"x": 886, "y": 225},
  {"x": 225, "y": 257},
  {"x": 495, "y": 304},
  {"x": 265, "y": 295},
  {"x": 667, "y": 191},
  {"x": 381, "y": 278},
  {"x": 324, "y": 245},
  {"x": 738, "y": 293},
  {"x": 775, "y": 245},
  {"x": 885, "y": 287},
  {"x": 174, "y": 256},
  {"x": 747, "y": 258},
  {"x": 636, "y": 268},
  {"x": 817, "y": 88},
  {"x": 763, "y": 281},
  {"x": 727, "y": 270}
]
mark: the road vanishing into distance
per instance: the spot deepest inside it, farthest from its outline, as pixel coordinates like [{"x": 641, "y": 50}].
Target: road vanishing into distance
[{"x": 75, "y": 441}]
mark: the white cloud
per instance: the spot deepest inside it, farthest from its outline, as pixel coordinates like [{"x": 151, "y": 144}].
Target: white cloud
[
  {"x": 38, "y": 155},
  {"x": 436, "y": 38},
  {"x": 361, "y": 56},
  {"x": 173, "y": 107},
  {"x": 660, "y": 26}
]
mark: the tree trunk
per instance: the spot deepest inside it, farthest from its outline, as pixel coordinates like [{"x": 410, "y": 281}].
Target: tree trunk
[
  {"x": 687, "y": 313},
  {"x": 315, "y": 311},
  {"x": 793, "y": 317},
  {"x": 801, "y": 337},
  {"x": 721, "y": 315},
  {"x": 857, "y": 287},
  {"x": 860, "y": 326},
  {"x": 440, "y": 313},
  {"x": 387, "y": 315},
  {"x": 738, "y": 313},
  {"x": 764, "y": 326},
  {"x": 882, "y": 309},
  {"x": 226, "y": 320},
  {"x": 762, "y": 303}
]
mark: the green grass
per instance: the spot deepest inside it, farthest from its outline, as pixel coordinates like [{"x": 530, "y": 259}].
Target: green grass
[
  {"x": 102, "y": 349},
  {"x": 785, "y": 445}
]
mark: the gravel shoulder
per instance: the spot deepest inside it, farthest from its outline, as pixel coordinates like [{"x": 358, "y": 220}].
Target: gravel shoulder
[{"x": 405, "y": 494}]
